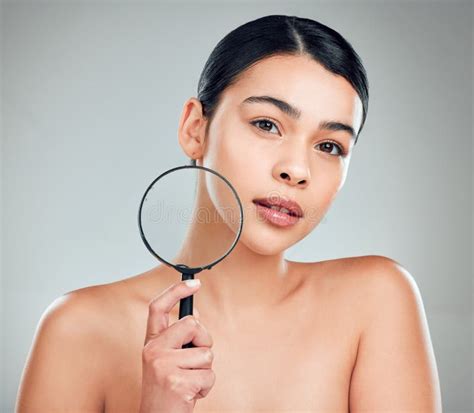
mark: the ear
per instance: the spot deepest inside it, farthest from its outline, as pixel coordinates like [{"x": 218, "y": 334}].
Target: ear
[{"x": 191, "y": 130}]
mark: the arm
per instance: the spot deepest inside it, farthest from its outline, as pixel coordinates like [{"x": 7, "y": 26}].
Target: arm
[
  {"x": 62, "y": 371},
  {"x": 395, "y": 371}
]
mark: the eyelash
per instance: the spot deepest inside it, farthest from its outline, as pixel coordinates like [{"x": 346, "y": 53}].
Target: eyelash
[{"x": 255, "y": 122}]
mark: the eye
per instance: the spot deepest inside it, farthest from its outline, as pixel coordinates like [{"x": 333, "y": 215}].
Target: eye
[
  {"x": 328, "y": 147},
  {"x": 265, "y": 125}
]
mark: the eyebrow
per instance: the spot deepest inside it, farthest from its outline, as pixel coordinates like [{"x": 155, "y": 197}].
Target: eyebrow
[{"x": 295, "y": 113}]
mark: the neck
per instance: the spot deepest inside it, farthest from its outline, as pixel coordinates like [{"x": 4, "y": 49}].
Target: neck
[{"x": 245, "y": 284}]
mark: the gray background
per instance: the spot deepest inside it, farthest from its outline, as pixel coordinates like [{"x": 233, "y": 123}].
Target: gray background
[{"x": 91, "y": 97}]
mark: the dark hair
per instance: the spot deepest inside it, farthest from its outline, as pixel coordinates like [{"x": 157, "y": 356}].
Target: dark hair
[{"x": 279, "y": 35}]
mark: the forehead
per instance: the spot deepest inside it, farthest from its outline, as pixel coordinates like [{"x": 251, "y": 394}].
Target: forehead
[{"x": 302, "y": 82}]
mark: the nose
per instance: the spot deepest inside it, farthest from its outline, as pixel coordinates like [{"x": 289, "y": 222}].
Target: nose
[{"x": 294, "y": 173}]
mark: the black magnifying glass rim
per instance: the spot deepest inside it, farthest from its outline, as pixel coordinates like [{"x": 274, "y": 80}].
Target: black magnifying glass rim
[{"x": 183, "y": 267}]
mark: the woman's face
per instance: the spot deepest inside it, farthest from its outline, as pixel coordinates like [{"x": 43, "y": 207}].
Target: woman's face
[{"x": 268, "y": 152}]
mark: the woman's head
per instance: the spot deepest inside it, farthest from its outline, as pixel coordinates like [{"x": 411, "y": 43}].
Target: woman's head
[
  {"x": 277, "y": 102},
  {"x": 279, "y": 34}
]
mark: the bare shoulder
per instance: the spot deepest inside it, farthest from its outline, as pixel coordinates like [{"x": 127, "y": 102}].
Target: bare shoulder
[
  {"x": 366, "y": 283},
  {"x": 67, "y": 362},
  {"x": 99, "y": 313},
  {"x": 384, "y": 269},
  {"x": 367, "y": 271},
  {"x": 379, "y": 278},
  {"x": 356, "y": 275},
  {"x": 85, "y": 310},
  {"x": 395, "y": 368}
]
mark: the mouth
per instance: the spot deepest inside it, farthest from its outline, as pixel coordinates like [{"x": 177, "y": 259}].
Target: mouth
[{"x": 282, "y": 205}]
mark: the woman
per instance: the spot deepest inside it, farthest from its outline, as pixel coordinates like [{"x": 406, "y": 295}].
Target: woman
[{"x": 281, "y": 103}]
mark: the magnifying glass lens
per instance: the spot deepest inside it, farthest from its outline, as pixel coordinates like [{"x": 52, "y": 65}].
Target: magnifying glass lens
[{"x": 190, "y": 217}]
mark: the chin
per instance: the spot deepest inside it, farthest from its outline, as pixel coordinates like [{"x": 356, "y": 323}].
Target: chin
[
  {"x": 265, "y": 248},
  {"x": 268, "y": 242}
]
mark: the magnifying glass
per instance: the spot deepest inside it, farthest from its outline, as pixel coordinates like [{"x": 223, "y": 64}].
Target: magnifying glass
[{"x": 190, "y": 218}]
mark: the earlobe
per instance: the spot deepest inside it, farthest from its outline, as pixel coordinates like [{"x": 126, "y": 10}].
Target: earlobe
[{"x": 191, "y": 130}]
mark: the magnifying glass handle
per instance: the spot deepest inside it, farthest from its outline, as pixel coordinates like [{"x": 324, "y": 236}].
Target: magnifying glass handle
[{"x": 186, "y": 306}]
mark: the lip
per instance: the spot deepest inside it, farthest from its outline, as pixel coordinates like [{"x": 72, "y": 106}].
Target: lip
[
  {"x": 281, "y": 202},
  {"x": 280, "y": 219}
]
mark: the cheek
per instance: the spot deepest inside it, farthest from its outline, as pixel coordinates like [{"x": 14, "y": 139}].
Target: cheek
[
  {"x": 328, "y": 173},
  {"x": 344, "y": 169},
  {"x": 232, "y": 141},
  {"x": 327, "y": 176},
  {"x": 227, "y": 206},
  {"x": 228, "y": 154},
  {"x": 232, "y": 152}
]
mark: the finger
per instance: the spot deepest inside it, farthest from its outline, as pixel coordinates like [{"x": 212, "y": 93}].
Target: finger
[
  {"x": 193, "y": 358},
  {"x": 174, "y": 315},
  {"x": 183, "y": 331},
  {"x": 160, "y": 307},
  {"x": 199, "y": 380}
]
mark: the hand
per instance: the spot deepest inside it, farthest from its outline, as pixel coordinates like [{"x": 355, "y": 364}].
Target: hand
[{"x": 173, "y": 378}]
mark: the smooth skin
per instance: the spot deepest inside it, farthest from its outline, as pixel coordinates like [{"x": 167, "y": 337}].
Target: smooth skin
[{"x": 340, "y": 335}]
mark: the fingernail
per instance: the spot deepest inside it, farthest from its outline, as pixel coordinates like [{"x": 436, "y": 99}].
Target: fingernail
[{"x": 193, "y": 283}]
